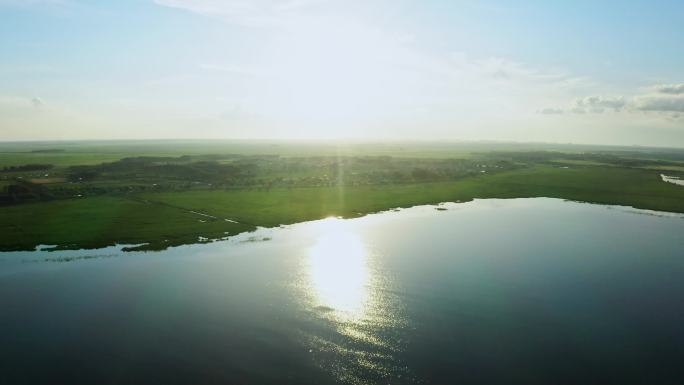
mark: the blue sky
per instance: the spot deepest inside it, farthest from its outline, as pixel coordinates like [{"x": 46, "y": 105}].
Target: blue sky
[{"x": 581, "y": 71}]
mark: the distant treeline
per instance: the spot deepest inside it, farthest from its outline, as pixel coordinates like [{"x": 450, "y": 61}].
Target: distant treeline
[
  {"x": 159, "y": 169},
  {"x": 620, "y": 159},
  {"x": 274, "y": 171},
  {"x": 22, "y": 192},
  {"x": 262, "y": 172},
  {"x": 47, "y": 151},
  {"x": 28, "y": 167}
]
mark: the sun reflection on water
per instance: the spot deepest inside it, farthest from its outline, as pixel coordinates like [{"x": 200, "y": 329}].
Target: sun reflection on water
[
  {"x": 338, "y": 268},
  {"x": 345, "y": 289}
]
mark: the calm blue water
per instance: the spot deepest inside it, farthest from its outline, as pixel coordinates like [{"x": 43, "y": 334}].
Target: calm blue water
[{"x": 527, "y": 291}]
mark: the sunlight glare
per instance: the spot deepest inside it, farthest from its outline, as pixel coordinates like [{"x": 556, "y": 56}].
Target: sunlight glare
[
  {"x": 341, "y": 72},
  {"x": 338, "y": 269}
]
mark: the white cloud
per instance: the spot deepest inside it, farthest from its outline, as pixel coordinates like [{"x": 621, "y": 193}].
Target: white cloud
[
  {"x": 245, "y": 12},
  {"x": 598, "y": 104},
  {"x": 37, "y": 102},
  {"x": 664, "y": 100},
  {"x": 505, "y": 71},
  {"x": 660, "y": 103},
  {"x": 671, "y": 89},
  {"x": 551, "y": 111},
  {"x": 18, "y": 103}
]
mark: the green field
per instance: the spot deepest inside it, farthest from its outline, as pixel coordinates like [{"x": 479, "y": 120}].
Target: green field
[
  {"x": 173, "y": 200},
  {"x": 270, "y": 208}
]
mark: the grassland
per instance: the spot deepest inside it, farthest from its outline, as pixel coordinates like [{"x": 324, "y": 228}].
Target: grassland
[
  {"x": 283, "y": 206},
  {"x": 101, "y": 221},
  {"x": 163, "y": 202}
]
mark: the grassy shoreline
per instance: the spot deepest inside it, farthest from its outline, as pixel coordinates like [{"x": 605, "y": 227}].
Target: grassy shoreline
[{"x": 165, "y": 219}]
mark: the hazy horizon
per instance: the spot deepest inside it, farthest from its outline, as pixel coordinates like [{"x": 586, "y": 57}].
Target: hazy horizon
[
  {"x": 529, "y": 71},
  {"x": 342, "y": 142}
]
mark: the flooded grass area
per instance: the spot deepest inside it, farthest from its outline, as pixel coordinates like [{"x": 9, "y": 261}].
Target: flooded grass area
[{"x": 672, "y": 179}]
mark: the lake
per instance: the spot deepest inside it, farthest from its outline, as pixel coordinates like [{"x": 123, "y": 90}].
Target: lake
[{"x": 523, "y": 291}]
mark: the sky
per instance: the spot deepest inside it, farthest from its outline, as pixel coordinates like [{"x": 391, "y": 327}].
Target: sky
[{"x": 603, "y": 72}]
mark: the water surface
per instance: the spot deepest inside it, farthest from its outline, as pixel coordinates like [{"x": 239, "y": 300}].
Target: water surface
[
  {"x": 672, "y": 179},
  {"x": 525, "y": 291}
]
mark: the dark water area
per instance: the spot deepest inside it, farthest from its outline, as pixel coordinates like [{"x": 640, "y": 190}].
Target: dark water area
[{"x": 526, "y": 291}]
